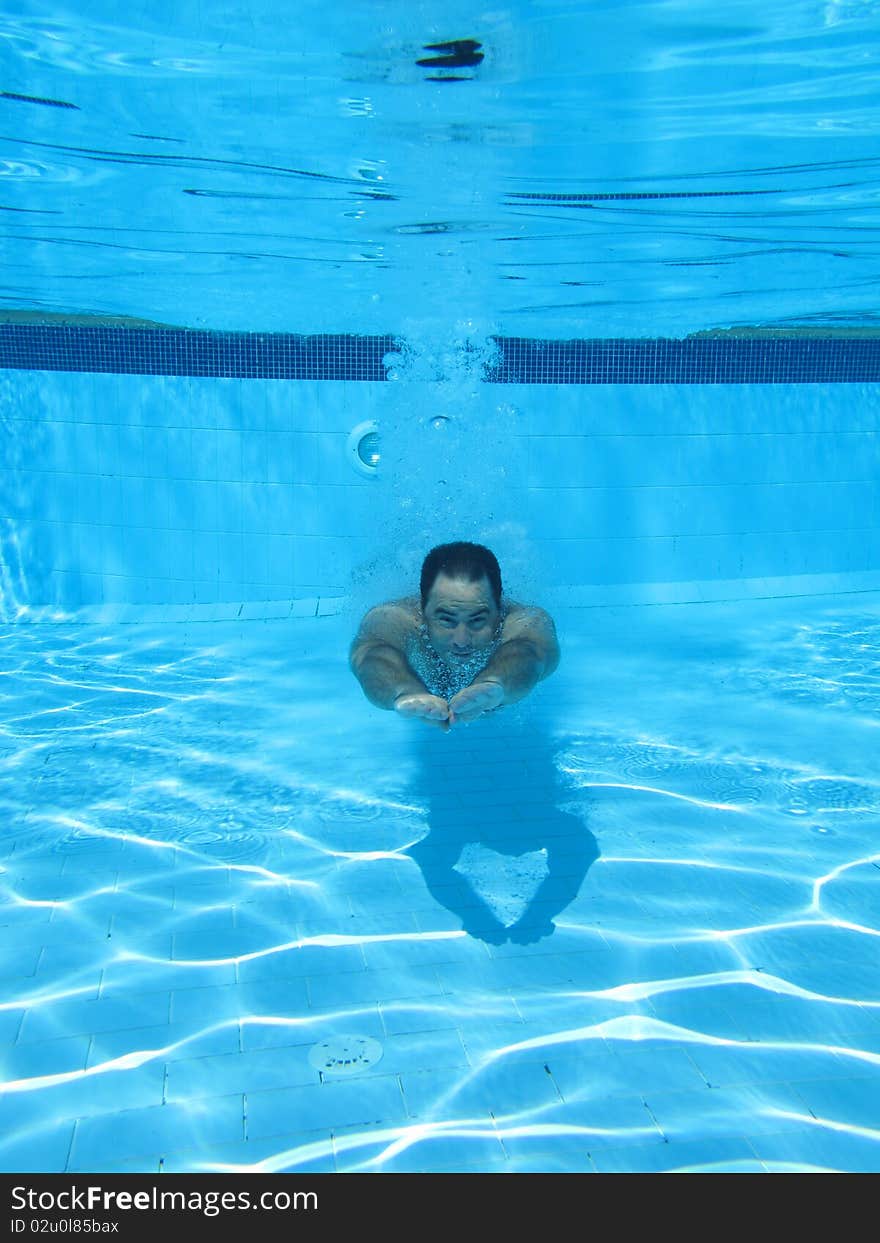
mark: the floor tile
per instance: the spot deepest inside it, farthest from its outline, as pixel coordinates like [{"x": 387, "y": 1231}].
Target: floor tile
[
  {"x": 472, "y": 1147},
  {"x": 599, "y": 1122},
  {"x": 556, "y": 1154},
  {"x": 38, "y": 1149},
  {"x": 168, "y": 1042},
  {"x": 10, "y": 1025},
  {"x": 133, "y": 1132},
  {"x": 623, "y": 1072},
  {"x": 341, "y": 1103},
  {"x": 368, "y": 985},
  {"x": 294, "y": 1152},
  {"x": 311, "y": 1026},
  {"x": 110, "y": 1013},
  {"x": 49, "y": 1057},
  {"x": 234, "y": 1001},
  {"x": 819, "y": 1147},
  {"x": 676, "y": 1155},
  {"x": 225, "y": 1073},
  {"x": 753, "y": 1063},
  {"x": 80, "y": 1094},
  {"x": 306, "y": 960},
  {"x": 851, "y": 1102},
  {"x": 437, "y": 1014},
  {"x": 719, "y": 1112},
  {"x": 147, "y": 1164},
  {"x": 505, "y": 1091}
]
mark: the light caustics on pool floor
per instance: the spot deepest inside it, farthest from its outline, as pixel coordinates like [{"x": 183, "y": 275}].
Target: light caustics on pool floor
[{"x": 632, "y": 925}]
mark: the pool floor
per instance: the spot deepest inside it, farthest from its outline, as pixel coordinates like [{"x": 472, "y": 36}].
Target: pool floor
[{"x": 251, "y": 923}]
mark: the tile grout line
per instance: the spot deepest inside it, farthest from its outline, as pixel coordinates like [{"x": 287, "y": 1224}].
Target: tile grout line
[{"x": 73, "y": 1133}]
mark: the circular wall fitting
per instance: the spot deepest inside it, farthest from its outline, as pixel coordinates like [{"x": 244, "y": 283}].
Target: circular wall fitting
[{"x": 363, "y": 448}]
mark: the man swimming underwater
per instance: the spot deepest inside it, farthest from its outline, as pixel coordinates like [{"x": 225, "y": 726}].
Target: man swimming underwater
[{"x": 458, "y": 650}]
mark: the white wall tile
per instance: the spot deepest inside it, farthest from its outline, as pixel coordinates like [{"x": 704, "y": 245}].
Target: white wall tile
[{"x": 172, "y": 488}]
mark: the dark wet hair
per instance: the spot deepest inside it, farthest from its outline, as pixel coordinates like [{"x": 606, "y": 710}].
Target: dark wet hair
[{"x": 461, "y": 560}]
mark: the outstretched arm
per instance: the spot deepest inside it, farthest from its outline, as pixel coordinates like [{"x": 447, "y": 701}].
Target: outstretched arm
[
  {"x": 378, "y": 656},
  {"x": 378, "y": 661}
]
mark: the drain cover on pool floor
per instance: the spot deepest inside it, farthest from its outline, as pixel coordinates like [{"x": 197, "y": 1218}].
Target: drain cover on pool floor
[{"x": 345, "y": 1055}]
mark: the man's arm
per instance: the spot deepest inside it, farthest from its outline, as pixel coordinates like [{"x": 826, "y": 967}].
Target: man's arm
[
  {"x": 378, "y": 661},
  {"x": 378, "y": 656},
  {"x": 528, "y": 652}
]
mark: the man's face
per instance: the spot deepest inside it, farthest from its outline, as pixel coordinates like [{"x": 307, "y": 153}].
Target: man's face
[{"x": 461, "y": 617}]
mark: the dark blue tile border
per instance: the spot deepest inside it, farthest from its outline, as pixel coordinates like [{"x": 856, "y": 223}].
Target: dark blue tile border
[
  {"x": 695, "y": 360},
  {"x": 761, "y": 359},
  {"x": 187, "y": 352}
]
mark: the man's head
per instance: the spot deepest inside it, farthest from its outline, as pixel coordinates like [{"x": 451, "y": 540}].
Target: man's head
[{"x": 461, "y": 599}]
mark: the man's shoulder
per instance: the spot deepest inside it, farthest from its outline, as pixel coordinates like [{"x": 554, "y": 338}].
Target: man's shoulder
[
  {"x": 391, "y": 622},
  {"x": 528, "y": 621},
  {"x": 517, "y": 615},
  {"x": 406, "y": 609}
]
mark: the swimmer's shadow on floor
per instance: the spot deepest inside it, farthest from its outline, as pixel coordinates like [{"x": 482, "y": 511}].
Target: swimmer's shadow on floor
[{"x": 499, "y": 852}]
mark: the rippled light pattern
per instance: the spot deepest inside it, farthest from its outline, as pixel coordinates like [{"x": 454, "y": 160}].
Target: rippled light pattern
[{"x": 630, "y": 925}]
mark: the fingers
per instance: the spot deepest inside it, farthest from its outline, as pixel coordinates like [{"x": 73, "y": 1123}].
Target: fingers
[
  {"x": 428, "y": 708},
  {"x": 434, "y": 712},
  {"x": 467, "y": 708},
  {"x": 476, "y": 700}
]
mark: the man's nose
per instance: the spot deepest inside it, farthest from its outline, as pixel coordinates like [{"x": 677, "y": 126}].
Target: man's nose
[{"x": 460, "y": 635}]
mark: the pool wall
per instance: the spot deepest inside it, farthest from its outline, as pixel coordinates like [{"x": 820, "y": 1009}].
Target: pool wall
[{"x": 164, "y": 490}]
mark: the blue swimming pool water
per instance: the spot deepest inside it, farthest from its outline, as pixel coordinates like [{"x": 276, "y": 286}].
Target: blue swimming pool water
[
  {"x": 608, "y": 169},
  {"x": 252, "y": 923},
  {"x": 628, "y": 926}
]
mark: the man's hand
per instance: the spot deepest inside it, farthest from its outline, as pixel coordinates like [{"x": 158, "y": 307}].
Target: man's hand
[
  {"x": 474, "y": 701},
  {"x": 429, "y": 708}
]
